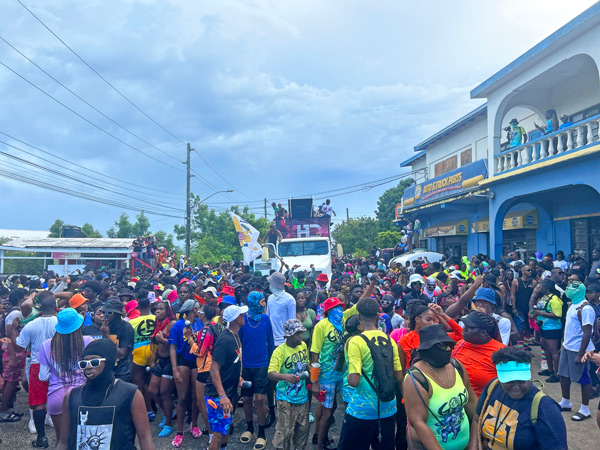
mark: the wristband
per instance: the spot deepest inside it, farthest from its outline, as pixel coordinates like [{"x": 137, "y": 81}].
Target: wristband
[{"x": 222, "y": 396}]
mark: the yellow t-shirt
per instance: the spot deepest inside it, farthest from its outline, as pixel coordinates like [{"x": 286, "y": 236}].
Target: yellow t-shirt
[
  {"x": 288, "y": 360},
  {"x": 143, "y": 327}
]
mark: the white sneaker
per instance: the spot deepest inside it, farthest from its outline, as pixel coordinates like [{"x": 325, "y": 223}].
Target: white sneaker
[
  {"x": 544, "y": 365},
  {"x": 49, "y": 421},
  {"x": 32, "y": 429},
  {"x": 311, "y": 418}
]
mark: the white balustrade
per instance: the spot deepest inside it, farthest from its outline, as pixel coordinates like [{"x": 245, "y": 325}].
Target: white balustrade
[{"x": 569, "y": 139}]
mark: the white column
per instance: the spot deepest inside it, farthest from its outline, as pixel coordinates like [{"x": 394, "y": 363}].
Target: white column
[
  {"x": 580, "y": 136},
  {"x": 561, "y": 143},
  {"x": 1, "y": 261},
  {"x": 570, "y": 140},
  {"x": 544, "y": 149},
  {"x": 525, "y": 154},
  {"x": 590, "y": 135},
  {"x": 551, "y": 148}
]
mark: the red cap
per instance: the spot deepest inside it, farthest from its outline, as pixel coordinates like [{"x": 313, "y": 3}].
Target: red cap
[
  {"x": 227, "y": 290},
  {"x": 323, "y": 277},
  {"x": 331, "y": 303}
]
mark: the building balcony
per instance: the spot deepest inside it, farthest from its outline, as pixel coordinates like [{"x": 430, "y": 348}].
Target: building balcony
[{"x": 569, "y": 139}]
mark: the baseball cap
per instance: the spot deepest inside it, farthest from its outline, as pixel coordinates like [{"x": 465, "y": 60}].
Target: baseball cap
[
  {"x": 212, "y": 290},
  {"x": 291, "y": 327},
  {"x": 491, "y": 280},
  {"x": 479, "y": 320},
  {"x": 415, "y": 278},
  {"x": 486, "y": 294},
  {"x": 233, "y": 312},
  {"x": 188, "y": 305},
  {"x": 456, "y": 275}
]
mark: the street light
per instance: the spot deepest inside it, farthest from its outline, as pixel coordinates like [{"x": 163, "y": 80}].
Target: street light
[{"x": 189, "y": 234}]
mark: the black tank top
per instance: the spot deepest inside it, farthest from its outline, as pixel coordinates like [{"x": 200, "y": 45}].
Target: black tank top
[
  {"x": 104, "y": 427},
  {"x": 524, "y": 294}
]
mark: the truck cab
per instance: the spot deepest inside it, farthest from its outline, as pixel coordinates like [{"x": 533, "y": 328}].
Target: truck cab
[{"x": 306, "y": 251}]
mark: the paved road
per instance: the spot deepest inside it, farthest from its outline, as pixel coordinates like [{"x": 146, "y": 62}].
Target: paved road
[{"x": 582, "y": 436}]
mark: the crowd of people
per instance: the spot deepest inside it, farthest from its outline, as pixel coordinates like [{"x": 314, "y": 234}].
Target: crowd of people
[{"x": 423, "y": 355}]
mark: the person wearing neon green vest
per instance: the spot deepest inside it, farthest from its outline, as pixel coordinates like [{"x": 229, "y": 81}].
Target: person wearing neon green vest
[{"x": 437, "y": 388}]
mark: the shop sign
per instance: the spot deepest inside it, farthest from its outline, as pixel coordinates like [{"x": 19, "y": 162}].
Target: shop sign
[
  {"x": 60, "y": 255},
  {"x": 451, "y": 183}
]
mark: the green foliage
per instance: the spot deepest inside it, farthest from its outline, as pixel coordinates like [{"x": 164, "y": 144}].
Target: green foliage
[
  {"x": 141, "y": 227},
  {"x": 213, "y": 236},
  {"x": 387, "y": 239},
  {"x": 386, "y": 205},
  {"x": 89, "y": 231},
  {"x": 356, "y": 235},
  {"x": 165, "y": 239},
  {"x": 56, "y": 228},
  {"x": 126, "y": 229}
]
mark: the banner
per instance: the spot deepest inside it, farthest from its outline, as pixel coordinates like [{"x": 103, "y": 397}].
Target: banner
[
  {"x": 447, "y": 185},
  {"x": 303, "y": 228},
  {"x": 248, "y": 237}
]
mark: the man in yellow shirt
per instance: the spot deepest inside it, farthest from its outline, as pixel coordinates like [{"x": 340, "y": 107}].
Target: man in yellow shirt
[{"x": 368, "y": 414}]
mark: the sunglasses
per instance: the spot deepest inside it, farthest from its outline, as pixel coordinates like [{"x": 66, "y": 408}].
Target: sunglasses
[
  {"x": 108, "y": 313},
  {"x": 93, "y": 363}
]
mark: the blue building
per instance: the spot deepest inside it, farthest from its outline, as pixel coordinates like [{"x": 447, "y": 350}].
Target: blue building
[{"x": 521, "y": 172}]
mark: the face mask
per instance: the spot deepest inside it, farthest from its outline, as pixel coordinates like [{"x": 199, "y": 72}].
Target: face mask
[
  {"x": 575, "y": 294},
  {"x": 436, "y": 357},
  {"x": 335, "y": 316}
]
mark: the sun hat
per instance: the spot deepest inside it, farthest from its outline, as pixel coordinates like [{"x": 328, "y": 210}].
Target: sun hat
[
  {"x": 227, "y": 300},
  {"x": 123, "y": 292},
  {"x": 331, "y": 303},
  {"x": 130, "y": 306},
  {"x": 433, "y": 334},
  {"x": 233, "y": 312},
  {"x": 491, "y": 280},
  {"x": 77, "y": 300},
  {"x": 276, "y": 280},
  {"x": 227, "y": 290},
  {"x": 323, "y": 277},
  {"x": 188, "y": 305},
  {"x": 513, "y": 371},
  {"x": 291, "y": 327},
  {"x": 212, "y": 290},
  {"x": 486, "y": 294},
  {"x": 416, "y": 278},
  {"x": 69, "y": 321}
]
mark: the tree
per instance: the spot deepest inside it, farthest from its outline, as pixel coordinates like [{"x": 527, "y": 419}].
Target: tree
[
  {"x": 166, "y": 240},
  {"x": 124, "y": 228},
  {"x": 56, "y": 228},
  {"x": 386, "y": 205},
  {"x": 89, "y": 231},
  {"x": 387, "y": 239},
  {"x": 357, "y": 236},
  {"x": 141, "y": 227}
]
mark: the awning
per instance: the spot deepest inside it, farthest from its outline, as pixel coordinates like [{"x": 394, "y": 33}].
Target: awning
[
  {"x": 481, "y": 226},
  {"x": 452, "y": 228},
  {"x": 518, "y": 220}
]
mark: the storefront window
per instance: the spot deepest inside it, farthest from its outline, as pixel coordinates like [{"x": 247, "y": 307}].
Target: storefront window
[{"x": 522, "y": 242}]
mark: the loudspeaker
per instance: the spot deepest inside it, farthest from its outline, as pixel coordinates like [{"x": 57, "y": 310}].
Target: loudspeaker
[{"x": 300, "y": 208}]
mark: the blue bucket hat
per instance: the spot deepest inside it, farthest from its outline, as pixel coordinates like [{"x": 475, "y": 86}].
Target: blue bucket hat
[
  {"x": 69, "y": 320},
  {"x": 486, "y": 294}
]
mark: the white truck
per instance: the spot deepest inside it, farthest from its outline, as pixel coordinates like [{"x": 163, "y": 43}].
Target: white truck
[{"x": 305, "y": 252}]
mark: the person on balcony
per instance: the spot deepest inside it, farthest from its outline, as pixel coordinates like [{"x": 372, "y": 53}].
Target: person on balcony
[
  {"x": 551, "y": 122},
  {"x": 566, "y": 122},
  {"x": 515, "y": 134}
]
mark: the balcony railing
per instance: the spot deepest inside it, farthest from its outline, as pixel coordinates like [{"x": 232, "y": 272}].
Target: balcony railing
[{"x": 578, "y": 135}]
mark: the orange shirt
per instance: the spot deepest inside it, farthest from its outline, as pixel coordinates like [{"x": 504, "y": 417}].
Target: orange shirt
[
  {"x": 477, "y": 359},
  {"x": 411, "y": 341}
]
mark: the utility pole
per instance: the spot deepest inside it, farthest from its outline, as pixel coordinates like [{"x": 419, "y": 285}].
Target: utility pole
[
  {"x": 347, "y": 215},
  {"x": 188, "y": 215},
  {"x": 265, "y": 208}
]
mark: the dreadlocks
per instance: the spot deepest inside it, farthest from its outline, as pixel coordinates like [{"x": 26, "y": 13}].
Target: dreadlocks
[{"x": 66, "y": 351}]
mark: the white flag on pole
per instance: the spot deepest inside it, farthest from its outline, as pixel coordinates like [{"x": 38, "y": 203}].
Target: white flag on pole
[{"x": 248, "y": 237}]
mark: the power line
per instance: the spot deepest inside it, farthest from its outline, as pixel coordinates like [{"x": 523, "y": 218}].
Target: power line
[
  {"x": 89, "y": 121},
  {"x": 219, "y": 175},
  {"x": 56, "y": 172},
  {"x": 87, "y": 103},
  {"x": 128, "y": 184},
  {"x": 97, "y": 73}
]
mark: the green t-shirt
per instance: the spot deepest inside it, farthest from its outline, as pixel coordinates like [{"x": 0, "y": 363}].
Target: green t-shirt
[{"x": 288, "y": 360}]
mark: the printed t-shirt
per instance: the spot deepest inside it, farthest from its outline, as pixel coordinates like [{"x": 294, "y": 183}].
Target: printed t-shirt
[
  {"x": 326, "y": 341},
  {"x": 227, "y": 353},
  {"x": 35, "y": 333},
  {"x": 177, "y": 339},
  {"x": 91, "y": 330},
  {"x": 121, "y": 333},
  {"x": 573, "y": 327},
  {"x": 363, "y": 403},
  {"x": 288, "y": 360},
  {"x": 143, "y": 327},
  {"x": 550, "y": 303},
  {"x": 512, "y": 421},
  {"x": 477, "y": 360}
]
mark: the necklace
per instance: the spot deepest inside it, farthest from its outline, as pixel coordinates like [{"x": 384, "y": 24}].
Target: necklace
[
  {"x": 248, "y": 322},
  {"x": 439, "y": 379}
]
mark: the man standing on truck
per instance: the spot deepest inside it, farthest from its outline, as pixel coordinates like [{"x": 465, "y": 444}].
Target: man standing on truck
[{"x": 328, "y": 209}]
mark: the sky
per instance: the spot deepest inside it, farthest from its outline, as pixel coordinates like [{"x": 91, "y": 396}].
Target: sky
[{"x": 278, "y": 98}]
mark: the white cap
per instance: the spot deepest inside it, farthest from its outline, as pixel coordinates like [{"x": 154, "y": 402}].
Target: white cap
[
  {"x": 212, "y": 290},
  {"x": 233, "y": 312},
  {"x": 430, "y": 280},
  {"x": 456, "y": 275},
  {"x": 415, "y": 278}
]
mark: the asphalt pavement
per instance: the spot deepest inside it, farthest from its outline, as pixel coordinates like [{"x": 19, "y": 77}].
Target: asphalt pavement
[{"x": 582, "y": 436}]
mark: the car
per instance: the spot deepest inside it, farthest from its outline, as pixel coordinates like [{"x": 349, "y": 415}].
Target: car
[{"x": 418, "y": 253}]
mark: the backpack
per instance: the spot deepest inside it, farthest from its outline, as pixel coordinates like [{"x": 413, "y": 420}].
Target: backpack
[
  {"x": 595, "y": 337},
  {"x": 384, "y": 379},
  {"x": 207, "y": 337},
  {"x": 535, "y": 406}
]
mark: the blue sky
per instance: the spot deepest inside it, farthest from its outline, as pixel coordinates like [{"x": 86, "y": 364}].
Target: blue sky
[{"x": 281, "y": 98}]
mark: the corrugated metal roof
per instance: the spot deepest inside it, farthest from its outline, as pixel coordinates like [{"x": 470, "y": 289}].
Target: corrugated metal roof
[{"x": 80, "y": 243}]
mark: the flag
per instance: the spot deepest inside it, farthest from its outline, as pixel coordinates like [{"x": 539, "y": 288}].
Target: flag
[{"x": 248, "y": 237}]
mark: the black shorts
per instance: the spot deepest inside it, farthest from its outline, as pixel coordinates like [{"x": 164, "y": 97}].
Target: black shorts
[
  {"x": 203, "y": 377},
  {"x": 552, "y": 334},
  {"x": 259, "y": 379},
  {"x": 182, "y": 361},
  {"x": 163, "y": 368}
]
